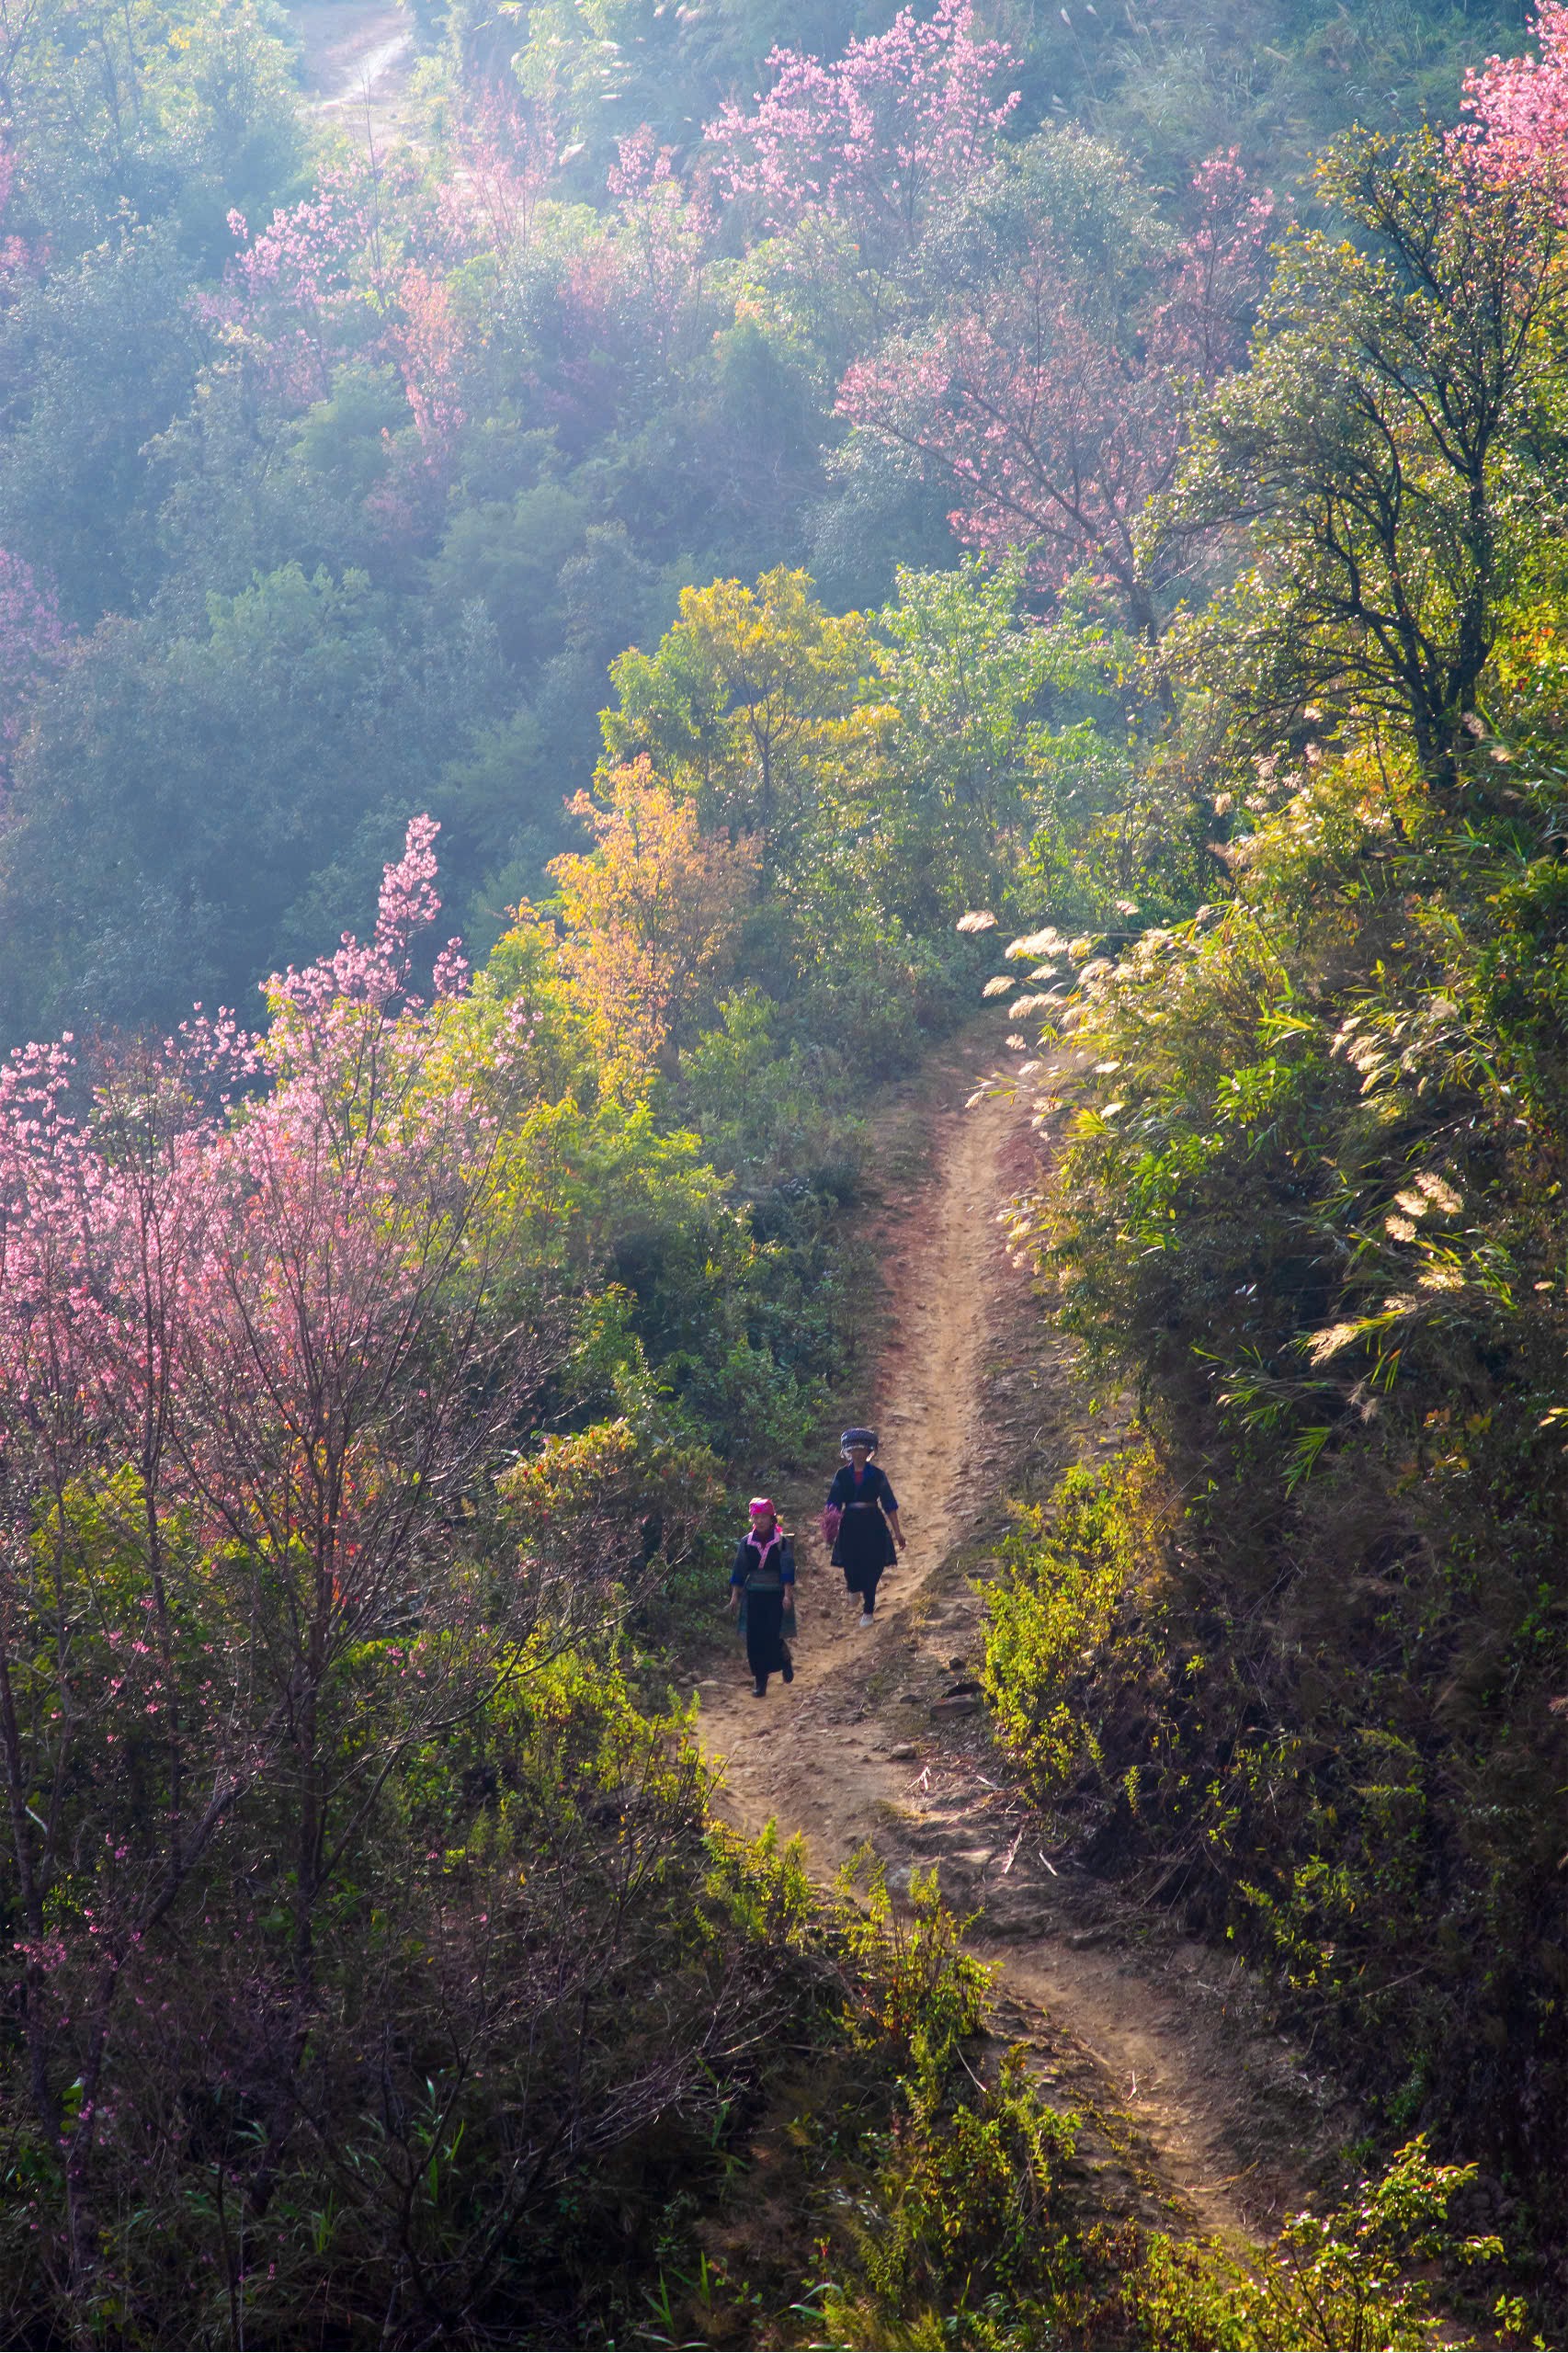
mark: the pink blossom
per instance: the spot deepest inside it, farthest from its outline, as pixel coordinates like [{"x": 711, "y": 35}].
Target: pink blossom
[
  {"x": 330, "y": 280},
  {"x": 875, "y": 140},
  {"x": 428, "y": 350},
  {"x": 1517, "y": 109},
  {"x": 636, "y": 295},
  {"x": 1056, "y": 429}
]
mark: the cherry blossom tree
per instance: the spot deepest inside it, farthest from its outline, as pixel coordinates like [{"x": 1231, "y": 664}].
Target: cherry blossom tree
[
  {"x": 1201, "y": 326},
  {"x": 357, "y": 270},
  {"x": 635, "y": 299},
  {"x": 879, "y": 140},
  {"x": 363, "y": 270},
  {"x": 506, "y": 156},
  {"x": 294, "y": 296},
  {"x": 659, "y": 236},
  {"x": 255, "y": 1351},
  {"x": 1517, "y": 109},
  {"x": 426, "y": 343},
  {"x": 1055, "y": 426}
]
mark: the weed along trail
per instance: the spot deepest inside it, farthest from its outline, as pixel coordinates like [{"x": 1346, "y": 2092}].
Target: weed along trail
[{"x": 1199, "y": 2111}]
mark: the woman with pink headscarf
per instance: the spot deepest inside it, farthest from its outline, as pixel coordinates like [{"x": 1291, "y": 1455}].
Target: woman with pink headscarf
[{"x": 763, "y": 1582}]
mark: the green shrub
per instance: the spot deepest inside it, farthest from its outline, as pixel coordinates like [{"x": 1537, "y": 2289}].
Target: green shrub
[
  {"x": 1338, "y": 2282},
  {"x": 1072, "y": 1621}
]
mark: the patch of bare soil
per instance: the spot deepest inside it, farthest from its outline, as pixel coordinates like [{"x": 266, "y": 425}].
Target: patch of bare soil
[
  {"x": 1200, "y": 2110},
  {"x": 358, "y": 62}
]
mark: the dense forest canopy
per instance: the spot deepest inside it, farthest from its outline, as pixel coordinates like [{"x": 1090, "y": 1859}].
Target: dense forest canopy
[
  {"x": 792, "y": 527},
  {"x": 310, "y": 447}
]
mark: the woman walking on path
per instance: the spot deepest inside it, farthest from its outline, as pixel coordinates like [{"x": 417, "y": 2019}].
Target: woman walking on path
[
  {"x": 861, "y": 1519},
  {"x": 763, "y": 1581}
]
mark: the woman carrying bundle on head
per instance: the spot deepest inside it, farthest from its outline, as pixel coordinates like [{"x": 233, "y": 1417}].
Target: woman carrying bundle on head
[
  {"x": 763, "y": 1581},
  {"x": 861, "y": 1519}
]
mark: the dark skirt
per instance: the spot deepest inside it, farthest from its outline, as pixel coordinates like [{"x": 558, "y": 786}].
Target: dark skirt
[
  {"x": 764, "y": 1633},
  {"x": 865, "y": 1548}
]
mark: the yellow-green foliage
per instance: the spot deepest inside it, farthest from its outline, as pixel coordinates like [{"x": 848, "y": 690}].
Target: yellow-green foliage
[
  {"x": 609, "y": 1499},
  {"x": 1338, "y": 2282},
  {"x": 1312, "y": 1207},
  {"x": 972, "y": 2228},
  {"x": 1067, "y": 1623},
  {"x": 919, "y": 1984},
  {"x": 969, "y": 2236}
]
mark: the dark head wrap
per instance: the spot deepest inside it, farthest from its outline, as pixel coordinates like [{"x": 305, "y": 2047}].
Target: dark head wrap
[{"x": 868, "y": 1439}]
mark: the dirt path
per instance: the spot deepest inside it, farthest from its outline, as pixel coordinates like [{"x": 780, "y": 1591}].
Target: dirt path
[
  {"x": 808, "y": 1760},
  {"x": 882, "y": 1740},
  {"x": 358, "y": 62}
]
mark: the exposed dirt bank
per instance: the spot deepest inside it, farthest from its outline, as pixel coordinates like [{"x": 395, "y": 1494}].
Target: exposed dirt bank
[{"x": 357, "y": 63}]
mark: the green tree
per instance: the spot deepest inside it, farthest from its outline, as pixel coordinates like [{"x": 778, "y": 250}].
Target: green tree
[
  {"x": 1385, "y": 449},
  {"x": 95, "y": 359},
  {"x": 752, "y": 702},
  {"x": 963, "y": 772},
  {"x": 134, "y": 111},
  {"x": 190, "y": 810}
]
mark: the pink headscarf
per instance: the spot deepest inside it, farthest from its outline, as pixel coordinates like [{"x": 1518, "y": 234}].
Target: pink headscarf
[{"x": 761, "y": 1507}]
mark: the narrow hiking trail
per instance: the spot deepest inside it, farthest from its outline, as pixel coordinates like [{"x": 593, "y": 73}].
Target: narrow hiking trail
[
  {"x": 357, "y": 60},
  {"x": 1201, "y": 2113}
]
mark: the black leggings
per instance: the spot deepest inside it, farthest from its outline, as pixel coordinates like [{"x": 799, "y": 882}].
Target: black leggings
[
  {"x": 764, "y": 1633},
  {"x": 866, "y": 1581}
]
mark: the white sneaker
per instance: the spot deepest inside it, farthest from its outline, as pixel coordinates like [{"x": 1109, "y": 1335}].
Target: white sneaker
[{"x": 866, "y": 1619}]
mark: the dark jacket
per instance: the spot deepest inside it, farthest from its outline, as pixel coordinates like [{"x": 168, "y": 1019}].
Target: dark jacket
[
  {"x": 764, "y": 1568},
  {"x": 873, "y": 1488}
]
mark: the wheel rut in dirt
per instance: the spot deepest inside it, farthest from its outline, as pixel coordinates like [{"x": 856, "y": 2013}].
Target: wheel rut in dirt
[{"x": 1201, "y": 2113}]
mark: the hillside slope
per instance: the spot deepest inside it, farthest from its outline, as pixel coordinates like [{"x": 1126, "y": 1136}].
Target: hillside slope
[{"x": 878, "y": 1742}]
